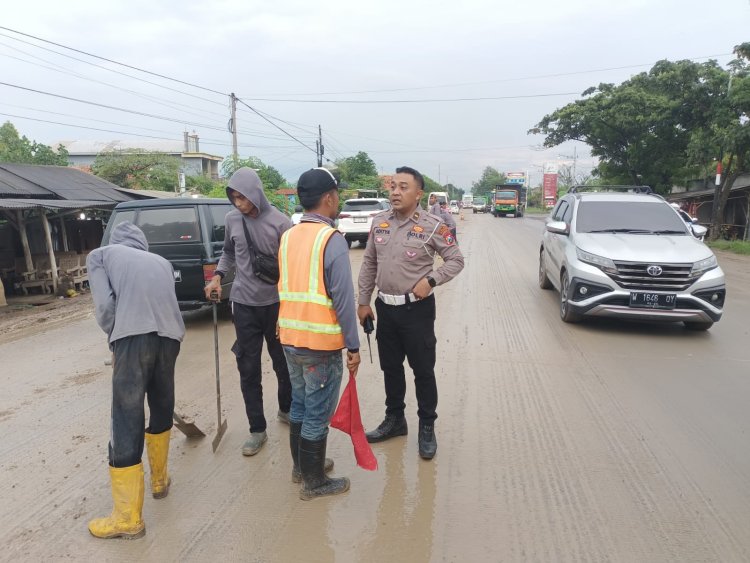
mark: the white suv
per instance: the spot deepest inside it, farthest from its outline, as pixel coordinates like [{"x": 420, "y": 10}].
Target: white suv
[
  {"x": 629, "y": 255},
  {"x": 356, "y": 216}
]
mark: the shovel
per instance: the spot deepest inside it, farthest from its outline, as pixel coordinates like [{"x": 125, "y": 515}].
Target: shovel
[
  {"x": 222, "y": 426},
  {"x": 187, "y": 428}
]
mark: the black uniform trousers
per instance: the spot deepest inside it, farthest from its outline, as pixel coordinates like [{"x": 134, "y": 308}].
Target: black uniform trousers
[
  {"x": 408, "y": 331},
  {"x": 253, "y": 325},
  {"x": 143, "y": 366}
]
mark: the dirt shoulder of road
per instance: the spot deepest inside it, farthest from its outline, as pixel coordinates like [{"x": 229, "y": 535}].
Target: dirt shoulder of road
[{"x": 23, "y": 317}]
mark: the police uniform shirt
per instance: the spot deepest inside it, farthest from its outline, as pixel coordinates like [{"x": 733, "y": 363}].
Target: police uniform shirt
[{"x": 400, "y": 252}]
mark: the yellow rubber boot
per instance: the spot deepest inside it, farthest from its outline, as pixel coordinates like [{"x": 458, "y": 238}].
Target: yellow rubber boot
[
  {"x": 157, "y": 446},
  {"x": 127, "y": 497}
]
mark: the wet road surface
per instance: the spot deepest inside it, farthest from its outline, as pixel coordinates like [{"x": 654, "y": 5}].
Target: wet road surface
[{"x": 602, "y": 441}]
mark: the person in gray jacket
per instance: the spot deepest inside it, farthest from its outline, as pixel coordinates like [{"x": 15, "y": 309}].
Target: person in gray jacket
[
  {"x": 253, "y": 229},
  {"x": 135, "y": 304}
]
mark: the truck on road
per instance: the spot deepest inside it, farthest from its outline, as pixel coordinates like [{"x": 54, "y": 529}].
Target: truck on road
[{"x": 509, "y": 199}]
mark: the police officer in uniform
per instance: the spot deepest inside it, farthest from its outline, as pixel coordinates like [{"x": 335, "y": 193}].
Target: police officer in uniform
[{"x": 399, "y": 260}]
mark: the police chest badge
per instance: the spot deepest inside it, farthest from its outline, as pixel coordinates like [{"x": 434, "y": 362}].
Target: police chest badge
[{"x": 410, "y": 254}]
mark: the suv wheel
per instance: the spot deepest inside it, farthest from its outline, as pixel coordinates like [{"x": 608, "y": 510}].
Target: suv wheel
[
  {"x": 566, "y": 314},
  {"x": 544, "y": 282},
  {"x": 698, "y": 325}
]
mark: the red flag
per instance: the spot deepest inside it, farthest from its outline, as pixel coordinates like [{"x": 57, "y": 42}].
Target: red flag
[{"x": 348, "y": 420}]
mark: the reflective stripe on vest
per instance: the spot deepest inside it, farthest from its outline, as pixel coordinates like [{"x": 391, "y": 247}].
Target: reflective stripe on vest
[{"x": 307, "y": 318}]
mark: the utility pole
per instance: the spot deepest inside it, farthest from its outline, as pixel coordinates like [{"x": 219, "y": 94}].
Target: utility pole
[
  {"x": 319, "y": 148},
  {"x": 233, "y": 125}
]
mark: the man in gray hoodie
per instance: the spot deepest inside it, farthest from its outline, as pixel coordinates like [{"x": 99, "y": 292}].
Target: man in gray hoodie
[
  {"x": 253, "y": 228},
  {"x": 135, "y": 304}
]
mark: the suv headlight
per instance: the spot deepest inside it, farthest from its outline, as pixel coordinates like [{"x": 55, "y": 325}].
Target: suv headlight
[
  {"x": 605, "y": 264},
  {"x": 702, "y": 266}
]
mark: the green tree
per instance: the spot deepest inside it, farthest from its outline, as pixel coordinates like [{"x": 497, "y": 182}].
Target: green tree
[
  {"x": 138, "y": 169},
  {"x": 20, "y": 150},
  {"x": 352, "y": 168},
  {"x": 641, "y": 129},
  {"x": 490, "y": 178}
]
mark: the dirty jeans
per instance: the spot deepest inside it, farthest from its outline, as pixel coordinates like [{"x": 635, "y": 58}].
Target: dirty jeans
[
  {"x": 253, "y": 324},
  {"x": 316, "y": 381},
  {"x": 143, "y": 366}
]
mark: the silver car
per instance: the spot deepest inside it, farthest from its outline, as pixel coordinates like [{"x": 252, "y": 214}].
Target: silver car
[{"x": 629, "y": 255}]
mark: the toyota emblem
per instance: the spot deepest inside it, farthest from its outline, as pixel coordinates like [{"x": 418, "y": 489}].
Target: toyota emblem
[{"x": 654, "y": 270}]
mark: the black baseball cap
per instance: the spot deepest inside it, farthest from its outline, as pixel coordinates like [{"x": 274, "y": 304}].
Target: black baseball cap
[{"x": 315, "y": 182}]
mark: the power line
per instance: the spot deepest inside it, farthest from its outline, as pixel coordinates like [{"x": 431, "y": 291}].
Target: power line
[
  {"x": 114, "y": 62},
  {"x": 213, "y": 142},
  {"x": 417, "y": 101},
  {"x": 112, "y": 107},
  {"x": 496, "y": 81},
  {"x": 58, "y": 68},
  {"x": 272, "y": 123}
]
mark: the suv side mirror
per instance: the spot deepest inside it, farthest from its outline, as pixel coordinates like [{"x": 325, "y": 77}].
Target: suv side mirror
[
  {"x": 699, "y": 231},
  {"x": 558, "y": 227}
]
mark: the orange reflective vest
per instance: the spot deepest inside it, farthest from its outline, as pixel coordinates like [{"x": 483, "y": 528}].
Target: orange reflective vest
[{"x": 307, "y": 318}]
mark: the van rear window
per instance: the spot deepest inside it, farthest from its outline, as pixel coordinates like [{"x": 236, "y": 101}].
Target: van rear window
[
  {"x": 169, "y": 225},
  {"x": 218, "y": 215}
]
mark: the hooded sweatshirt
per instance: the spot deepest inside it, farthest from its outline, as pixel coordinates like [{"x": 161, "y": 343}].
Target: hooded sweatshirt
[
  {"x": 265, "y": 232},
  {"x": 133, "y": 289}
]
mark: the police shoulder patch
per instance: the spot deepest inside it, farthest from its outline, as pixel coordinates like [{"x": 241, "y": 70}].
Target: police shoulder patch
[{"x": 444, "y": 230}]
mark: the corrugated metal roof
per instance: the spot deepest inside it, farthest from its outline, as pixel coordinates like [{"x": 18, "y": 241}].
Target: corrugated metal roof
[
  {"x": 12, "y": 185},
  {"x": 59, "y": 181},
  {"x": 13, "y": 203}
]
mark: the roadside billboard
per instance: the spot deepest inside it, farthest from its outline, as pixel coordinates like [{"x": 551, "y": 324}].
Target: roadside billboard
[
  {"x": 515, "y": 178},
  {"x": 549, "y": 190}
]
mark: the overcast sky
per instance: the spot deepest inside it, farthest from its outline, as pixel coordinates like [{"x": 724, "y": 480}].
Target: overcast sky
[{"x": 538, "y": 54}]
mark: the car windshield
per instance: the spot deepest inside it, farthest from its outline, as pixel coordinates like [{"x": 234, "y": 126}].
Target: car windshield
[
  {"x": 479, "y": 201},
  {"x": 505, "y": 195},
  {"x": 362, "y": 206},
  {"x": 635, "y": 217}
]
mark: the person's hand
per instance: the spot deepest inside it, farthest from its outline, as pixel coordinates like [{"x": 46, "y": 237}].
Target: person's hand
[
  {"x": 364, "y": 311},
  {"x": 277, "y": 330},
  {"x": 352, "y": 362},
  {"x": 214, "y": 286},
  {"x": 422, "y": 289}
]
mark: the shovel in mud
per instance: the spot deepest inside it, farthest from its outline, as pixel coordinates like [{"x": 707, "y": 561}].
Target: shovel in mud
[
  {"x": 187, "y": 428},
  {"x": 222, "y": 426}
]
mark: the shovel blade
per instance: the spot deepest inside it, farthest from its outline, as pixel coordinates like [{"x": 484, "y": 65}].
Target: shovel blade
[
  {"x": 187, "y": 428},
  {"x": 219, "y": 435}
]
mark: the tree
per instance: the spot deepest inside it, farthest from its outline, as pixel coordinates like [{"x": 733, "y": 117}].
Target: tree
[
  {"x": 640, "y": 129},
  {"x": 19, "y": 150},
  {"x": 138, "y": 169},
  {"x": 354, "y": 168},
  {"x": 490, "y": 178}
]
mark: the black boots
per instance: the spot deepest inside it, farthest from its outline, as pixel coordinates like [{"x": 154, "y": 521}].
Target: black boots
[
  {"x": 295, "y": 428},
  {"x": 312, "y": 458},
  {"x": 427, "y": 440},
  {"x": 391, "y": 427}
]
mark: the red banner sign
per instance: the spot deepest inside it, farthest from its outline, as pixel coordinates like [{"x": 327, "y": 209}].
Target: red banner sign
[{"x": 550, "y": 189}]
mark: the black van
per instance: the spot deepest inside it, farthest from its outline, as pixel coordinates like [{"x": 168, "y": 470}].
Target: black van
[{"x": 187, "y": 232}]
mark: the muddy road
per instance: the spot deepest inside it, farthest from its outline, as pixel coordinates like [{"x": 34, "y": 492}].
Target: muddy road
[{"x": 593, "y": 442}]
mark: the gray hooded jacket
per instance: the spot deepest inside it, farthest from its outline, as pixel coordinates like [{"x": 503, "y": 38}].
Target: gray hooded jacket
[
  {"x": 265, "y": 232},
  {"x": 133, "y": 289}
]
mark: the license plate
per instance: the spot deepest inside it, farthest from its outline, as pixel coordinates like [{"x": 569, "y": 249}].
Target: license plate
[
  {"x": 360, "y": 219},
  {"x": 177, "y": 276},
  {"x": 653, "y": 300}
]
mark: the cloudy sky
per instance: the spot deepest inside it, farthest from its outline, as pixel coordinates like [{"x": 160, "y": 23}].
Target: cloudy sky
[{"x": 397, "y": 79}]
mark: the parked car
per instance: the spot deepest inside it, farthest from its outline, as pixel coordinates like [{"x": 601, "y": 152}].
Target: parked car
[
  {"x": 630, "y": 256},
  {"x": 187, "y": 232},
  {"x": 356, "y": 216}
]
